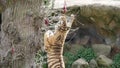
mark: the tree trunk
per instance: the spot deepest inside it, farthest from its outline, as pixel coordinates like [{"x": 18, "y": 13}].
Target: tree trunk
[{"x": 21, "y": 33}]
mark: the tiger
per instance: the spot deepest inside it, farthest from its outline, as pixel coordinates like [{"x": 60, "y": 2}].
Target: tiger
[{"x": 54, "y": 42}]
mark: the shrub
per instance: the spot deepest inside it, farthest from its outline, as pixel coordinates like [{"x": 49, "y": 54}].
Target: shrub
[
  {"x": 41, "y": 58},
  {"x": 116, "y": 61},
  {"x": 70, "y": 59},
  {"x": 86, "y": 53}
]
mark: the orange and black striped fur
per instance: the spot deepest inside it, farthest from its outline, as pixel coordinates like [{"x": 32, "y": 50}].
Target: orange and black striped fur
[{"x": 53, "y": 43}]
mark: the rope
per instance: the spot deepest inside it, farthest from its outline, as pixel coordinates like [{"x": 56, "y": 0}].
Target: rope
[
  {"x": 13, "y": 50},
  {"x": 46, "y": 22},
  {"x": 64, "y": 7}
]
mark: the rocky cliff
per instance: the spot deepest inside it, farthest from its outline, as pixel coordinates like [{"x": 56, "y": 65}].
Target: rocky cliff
[{"x": 100, "y": 19}]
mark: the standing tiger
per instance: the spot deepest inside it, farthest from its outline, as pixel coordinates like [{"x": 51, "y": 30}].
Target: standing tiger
[{"x": 54, "y": 41}]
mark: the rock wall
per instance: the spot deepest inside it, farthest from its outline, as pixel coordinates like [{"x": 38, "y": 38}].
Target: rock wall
[{"x": 104, "y": 19}]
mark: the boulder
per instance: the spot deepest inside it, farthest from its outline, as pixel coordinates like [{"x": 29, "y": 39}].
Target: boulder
[
  {"x": 80, "y": 63},
  {"x": 102, "y": 60},
  {"x": 93, "y": 64},
  {"x": 118, "y": 41},
  {"x": 101, "y": 49},
  {"x": 115, "y": 50}
]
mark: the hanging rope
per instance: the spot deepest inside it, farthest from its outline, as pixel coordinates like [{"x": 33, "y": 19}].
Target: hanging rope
[
  {"x": 46, "y": 22},
  {"x": 64, "y": 7},
  {"x": 13, "y": 50}
]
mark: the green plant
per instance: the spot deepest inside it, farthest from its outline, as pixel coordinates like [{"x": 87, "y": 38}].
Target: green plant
[
  {"x": 106, "y": 66},
  {"x": 70, "y": 59},
  {"x": 40, "y": 58},
  {"x": 86, "y": 53},
  {"x": 45, "y": 65},
  {"x": 46, "y": 2},
  {"x": 116, "y": 61}
]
